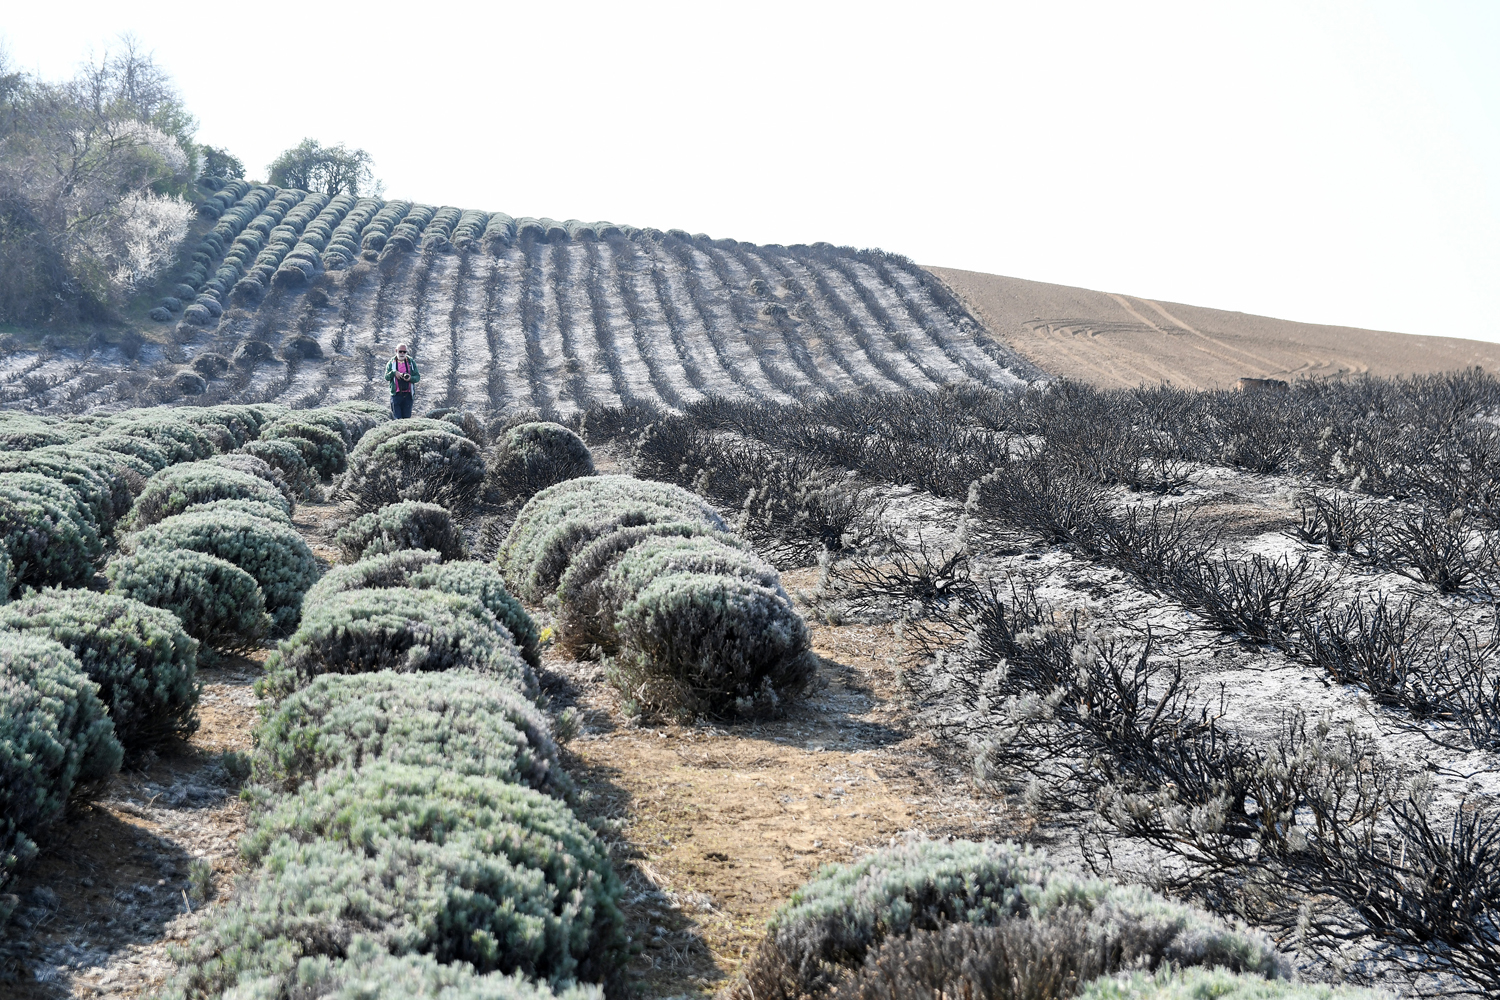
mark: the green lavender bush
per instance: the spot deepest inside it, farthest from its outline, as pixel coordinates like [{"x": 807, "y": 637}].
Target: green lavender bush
[
  {"x": 457, "y": 867},
  {"x": 369, "y": 972},
  {"x": 830, "y": 924},
  {"x": 218, "y": 603},
  {"x": 484, "y": 583},
  {"x": 378, "y": 572},
  {"x": 361, "y": 631},
  {"x": 276, "y": 556},
  {"x": 55, "y": 734},
  {"x": 561, "y": 520},
  {"x": 1218, "y": 984},
  {"x": 436, "y": 465},
  {"x": 467, "y": 722},
  {"x": 50, "y": 535},
  {"x": 286, "y": 457},
  {"x": 327, "y": 454},
  {"x": 179, "y": 487},
  {"x": 240, "y": 461},
  {"x": 404, "y": 525},
  {"x": 532, "y": 456},
  {"x": 140, "y": 657}
]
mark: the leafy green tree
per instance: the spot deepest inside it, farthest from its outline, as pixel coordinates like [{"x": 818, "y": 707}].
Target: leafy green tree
[
  {"x": 220, "y": 162},
  {"x": 311, "y": 166}
]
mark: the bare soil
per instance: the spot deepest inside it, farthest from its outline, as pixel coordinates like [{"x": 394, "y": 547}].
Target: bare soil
[{"x": 1122, "y": 341}]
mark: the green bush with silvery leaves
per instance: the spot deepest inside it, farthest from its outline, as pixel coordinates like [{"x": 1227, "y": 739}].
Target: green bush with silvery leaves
[
  {"x": 422, "y": 861},
  {"x": 391, "y": 569},
  {"x": 328, "y": 454},
  {"x": 218, "y": 603},
  {"x": 467, "y": 722},
  {"x": 179, "y": 487},
  {"x": 361, "y": 631},
  {"x": 143, "y": 661},
  {"x": 399, "y": 526},
  {"x": 530, "y": 457},
  {"x": 1216, "y": 984},
  {"x": 436, "y": 465},
  {"x": 241, "y": 461},
  {"x": 280, "y": 560},
  {"x": 829, "y": 925},
  {"x": 561, "y": 520},
  {"x": 51, "y": 535},
  {"x": 369, "y": 972},
  {"x": 423, "y": 569},
  {"x": 286, "y": 458},
  {"x": 99, "y": 483},
  {"x": 55, "y": 734}
]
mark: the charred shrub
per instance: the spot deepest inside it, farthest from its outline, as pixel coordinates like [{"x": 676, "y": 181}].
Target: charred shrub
[
  {"x": 1033, "y": 497},
  {"x": 1263, "y": 600}
]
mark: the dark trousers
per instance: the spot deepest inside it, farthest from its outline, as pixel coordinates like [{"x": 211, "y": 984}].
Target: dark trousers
[{"x": 401, "y": 405}]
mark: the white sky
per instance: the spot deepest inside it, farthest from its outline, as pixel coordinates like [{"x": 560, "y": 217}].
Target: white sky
[{"x": 1329, "y": 162}]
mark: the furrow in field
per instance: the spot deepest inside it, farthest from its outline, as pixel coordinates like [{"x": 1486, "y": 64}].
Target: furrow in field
[
  {"x": 674, "y": 369},
  {"x": 618, "y": 310},
  {"x": 473, "y": 360},
  {"x": 507, "y": 383},
  {"x": 585, "y": 367},
  {"x": 845, "y": 340},
  {"x": 740, "y": 272},
  {"x": 873, "y": 347},
  {"x": 355, "y": 341},
  {"x": 904, "y": 296},
  {"x": 431, "y": 333},
  {"x": 885, "y": 307},
  {"x": 728, "y": 280},
  {"x": 684, "y": 303},
  {"x": 896, "y": 342},
  {"x": 543, "y": 347}
]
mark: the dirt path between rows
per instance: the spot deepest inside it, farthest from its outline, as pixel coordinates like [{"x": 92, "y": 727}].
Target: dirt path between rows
[{"x": 712, "y": 827}]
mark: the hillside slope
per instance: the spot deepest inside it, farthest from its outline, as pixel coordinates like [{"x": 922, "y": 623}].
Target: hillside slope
[
  {"x": 1120, "y": 341},
  {"x": 305, "y": 301}
]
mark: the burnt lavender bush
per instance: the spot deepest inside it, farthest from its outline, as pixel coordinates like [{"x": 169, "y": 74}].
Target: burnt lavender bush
[
  {"x": 218, "y": 603},
  {"x": 466, "y": 722},
  {"x": 407, "y": 524},
  {"x": 139, "y": 656}
]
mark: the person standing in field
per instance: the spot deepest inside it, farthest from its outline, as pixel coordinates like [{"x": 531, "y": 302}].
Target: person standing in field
[{"x": 402, "y": 374}]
